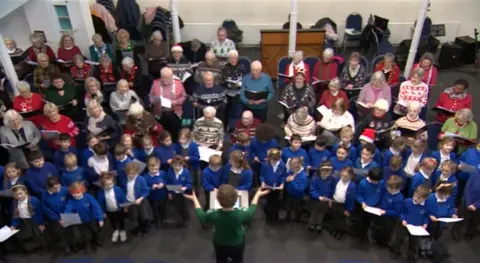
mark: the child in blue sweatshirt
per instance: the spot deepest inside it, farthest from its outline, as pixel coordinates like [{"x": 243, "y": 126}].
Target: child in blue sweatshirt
[
  {"x": 295, "y": 150},
  {"x": 272, "y": 176},
  {"x": 180, "y": 176},
  {"x": 121, "y": 160},
  {"x": 369, "y": 193},
  {"x": 295, "y": 184},
  {"x": 397, "y": 147},
  {"x": 368, "y": 136},
  {"x": 30, "y": 222},
  {"x": 340, "y": 160},
  {"x": 90, "y": 213},
  {"x": 166, "y": 150},
  {"x": 65, "y": 148},
  {"x": 391, "y": 207},
  {"x": 137, "y": 192},
  {"x": 148, "y": 149},
  {"x": 237, "y": 172},
  {"x": 446, "y": 173},
  {"x": 414, "y": 157},
  {"x": 72, "y": 172},
  {"x": 395, "y": 168},
  {"x": 12, "y": 176},
  {"x": 155, "y": 179},
  {"x": 470, "y": 157},
  {"x": 321, "y": 193},
  {"x": 53, "y": 204},
  {"x": 365, "y": 162},
  {"x": 111, "y": 199},
  {"x": 470, "y": 207},
  {"x": 346, "y": 137},
  {"x": 445, "y": 152},
  {"x": 319, "y": 152},
  {"x": 423, "y": 176},
  {"x": 242, "y": 143},
  {"x": 413, "y": 213},
  {"x": 92, "y": 140},
  {"x": 212, "y": 177},
  {"x": 101, "y": 162},
  {"x": 36, "y": 176},
  {"x": 261, "y": 143},
  {"x": 189, "y": 150},
  {"x": 344, "y": 192}
]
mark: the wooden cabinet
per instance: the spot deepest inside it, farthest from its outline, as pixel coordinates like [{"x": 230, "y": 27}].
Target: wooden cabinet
[{"x": 274, "y": 46}]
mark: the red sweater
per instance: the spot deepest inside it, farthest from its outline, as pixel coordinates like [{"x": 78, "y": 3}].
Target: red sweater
[
  {"x": 393, "y": 77},
  {"x": 452, "y": 104},
  {"x": 20, "y": 104},
  {"x": 239, "y": 127},
  {"x": 328, "y": 99},
  {"x": 325, "y": 71},
  {"x": 32, "y": 54},
  {"x": 154, "y": 133},
  {"x": 306, "y": 71},
  {"x": 67, "y": 55},
  {"x": 430, "y": 74},
  {"x": 64, "y": 125}
]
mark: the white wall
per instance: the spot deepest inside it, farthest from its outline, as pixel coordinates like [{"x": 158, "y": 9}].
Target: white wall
[
  {"x": 12, "y": 24},
  {"x": 202, "y": 17},
  {"x": 41, "y": 16},
  {"x": 9, "y": 5},
  {"x": 82, "y": 24}
]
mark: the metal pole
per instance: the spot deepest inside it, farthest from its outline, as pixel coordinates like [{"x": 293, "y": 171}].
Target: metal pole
[
  {"x": 177, "y": 37},
  {"x": 416, "y": 38},
  {"x": 292, "y": 40},
  {"x": 8, "y": 66}
]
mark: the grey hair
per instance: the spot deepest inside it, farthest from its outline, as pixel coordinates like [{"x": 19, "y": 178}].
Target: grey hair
[
  {"x": 389, "y": 57},
  {"x": 419, "y": 72},
  {"x": 210, "y": 54},
  {"x": 428, "y": 56},
  {"x": 208, "y": 74},
  {"x": 92, "y": 79},
  {"x": 334, "y": 83},
  {"x": 34, "y": 38},
  {"x": 135, "y": 109},
  {"x": 465, "y": 114},
  {"x": 23, "y": 86},
  {"x": 105, "y": 58},
  {"x": 165, "y": 71},
  {"x": 379, "y": 76},
  {"x": 11, "y": 40},
  {"x": 10, "y": 115},
  {"x": 298, "y": 54},
  {"x": 328, "y": 52},
  {"x": 156, "y": 34},
  {"x": 210, "y": 110},
  {"x": 128, "y": 61},
  {"x": 122, "y": 81},
  {"x": 97, "y": 36},
  {"x": 233, "y": 53},
  {"x": 414, "y": 105},
  {"x": 78, "y": 57}
]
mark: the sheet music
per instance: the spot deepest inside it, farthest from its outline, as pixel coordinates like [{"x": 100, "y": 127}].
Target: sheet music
[
  {"x": 92, "y": 62},
  {"x": 166, "y": 103},
  {"x": 127, "y": 204},
  {"x": 6, "y": 193},
  {"x": 283, "y": 75},
  {"x": 195, "y": 65},
  {"x": 449, "y": 219},
  {"x": 305, "y": 138},
  {"x": 417, "y": 231},
  {"x": 50, "y": 135},
  {"x": 205, "y": 153},
  {"x": 284, "y": 104},
  {"x": 174, "y": 188},
  {"x": 33, "y": 63},
  {"x": 373, "y": 210},
  {"x": 323, "y": 110},
  {"x": 186, "y": 75},
  {"x": 6, "y": 233},
  {"x": 141, "y": 165},
  {"x": 402, "y": 103},
  {"x": 318, "y": 81},
  {"x": 70, "y": 219}
]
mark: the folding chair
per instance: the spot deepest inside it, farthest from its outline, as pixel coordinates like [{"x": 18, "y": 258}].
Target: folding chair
[
  {"x": 364, "y": 62},
  {"x": 78, "y": 260},
  {"x": 245, "y": 61},
  {"x": 281, "y": 68},
  {"x": 353, "y": 31},
  {"x": 311, "y": 61},
  {"x": 375, "y": 61}
]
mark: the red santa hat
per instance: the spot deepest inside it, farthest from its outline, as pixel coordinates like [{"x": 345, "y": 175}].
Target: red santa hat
[
  {"x": 368, "y": 135},
  {"x": 177, "y": 48}
]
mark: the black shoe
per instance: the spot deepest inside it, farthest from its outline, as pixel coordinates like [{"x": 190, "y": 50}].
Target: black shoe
[
  {"x": 411, "y": 259},
  {"x": 430, "y": 253},
  {"x": 338, "y": 235},
  {"x": 67, "y": 252},
  {"x": 144, "y": 234},
  {"x": 394, "y": 255},
  {"x": 311, "y": 228},
  {"x": 88, "y": 249},
  {"x": 318, "y": 229},
  {"x": 423, "y": 254}
]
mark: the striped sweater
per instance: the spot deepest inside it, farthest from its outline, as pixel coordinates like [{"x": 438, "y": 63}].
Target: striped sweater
[
  {"x": 303, "y": 128},
  {"x": 208, "y": 132}
]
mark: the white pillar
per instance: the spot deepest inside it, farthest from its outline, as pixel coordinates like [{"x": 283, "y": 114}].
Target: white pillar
[
  {"x": 292, "y": 40},
  {"x": 416, "y": 38},
  {"x": 177, "y": 37},
  {"x": 8, "y": 65}
]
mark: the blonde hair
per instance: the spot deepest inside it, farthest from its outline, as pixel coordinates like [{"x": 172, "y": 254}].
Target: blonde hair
[
  {"x": 92, "y": 79},
  {"x": 70, "y": 159},
  {"x": 334, "y": 83},
  {"x": 43, "y": 56},
  {"x": 122, "y": 82},
  {"x": 49, "y": 107},
  {"x": 122, "y": 31},
  {"x": 62, "y": 38}
]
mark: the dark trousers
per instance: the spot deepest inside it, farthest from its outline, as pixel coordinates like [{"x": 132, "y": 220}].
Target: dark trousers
[
  {"x": 117, "y": 220},
  {"x": 317, "y": 212},
  {"x": 223, "y": 253},
  {"x": 272, "y": 206},
  {"x": 293, "y": 206},
  {"x": 172, "y": 123},
  {"x": 159, "y": 208},
  {"x": 232, "y": 110},
  {"x": 207, "y": 200},
  {"x": 55, "y": 234},
  {"x": 181, "y": 207},
  {"x": 382, "y": 229},
  {"x": 196, "y": 178},
  {"x": 29, "y": 238},
  {"x": 401, "y": 233},
  {"x": 470, "y": 222},
  {"x": 141, "y": 214},
  {"x": 338, "y": 222},
  {"x": 85, "y": 234},
  {"x": 364, "y": 221}
]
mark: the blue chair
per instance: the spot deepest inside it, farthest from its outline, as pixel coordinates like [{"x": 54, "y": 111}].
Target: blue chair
[
  {"x": 311, "y": 61},
  {"x": 375, "y": 61},
  {"x": 432, "y": 133},
  {"x": 78, "y": 260},
  {"x": 281, "y": 68},
  {"x": 353, "y": 31},
  {"x": 117, "y": 261},
  {"x": 246, "y": 63},
  {"x": 364, "y": 62}
]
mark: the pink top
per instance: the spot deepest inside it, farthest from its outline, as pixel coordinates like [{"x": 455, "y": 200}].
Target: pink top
[
  {"x": 175, "y": 93},
  {"x": 430, "y": 76},
  {"x": 369, "y": 94},
  {"x": 409, "y": 92}
]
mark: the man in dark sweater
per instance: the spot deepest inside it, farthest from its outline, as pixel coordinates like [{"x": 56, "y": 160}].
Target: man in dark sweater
[{"x": 209, "y": 94}]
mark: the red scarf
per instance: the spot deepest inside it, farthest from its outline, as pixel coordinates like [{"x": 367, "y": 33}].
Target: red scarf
[
  {"x": 131, "y": 74},
  {"x": 80, "y": 73},
  {"x": 106, "y": 75}
]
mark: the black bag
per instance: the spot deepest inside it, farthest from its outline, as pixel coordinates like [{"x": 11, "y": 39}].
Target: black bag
[{"x": 233, "y": 32}]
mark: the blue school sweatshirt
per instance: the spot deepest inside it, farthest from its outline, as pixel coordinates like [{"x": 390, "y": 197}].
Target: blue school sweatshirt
[
  {"x": 184, "y": 179},
  {"x": 387, "y": 172},
  {"x": 164, "y": 153},
  {"x": 358, "y": 165},
  {"x": 387, "y": 155},
  {"x": 262, "y": 84},
  {"x": 53, "y": 204},
  {"x": 392, "y": 204},
  {"x": 20, "y": 180},
  {"x": 417, "y": 180},
  {"x": 60, "y": 154},
  {"x": 472, "y": 191},
  {"x": 410, "y": 152},
  {"x": 322, "y": 187},
  {"x": 2, "y": 177},
  {"x": 211, "y": 179},
  {"x": 193, "y": 154},
  {"x": 414, "y": 214},
  {"x": 271, "y": 178},
  {"x": 317, "y": 157},
  {"x": 377, "y": 157},
  {"x": 259, "y": 149},
  {"x": 246, "y": 177},
  {"x": 339, "y": 165},
  {"x": 239, "y": 147},
  {"x": 349, "y": 204},
  {"x": 288, "y": 153},
  {"x": 36, "y": 178},
  {"x": 296, "y": 188},
  {"x": 440, "y": 209},
  {"x": 352, "y": 152},
  {"x": 120, "y": 168},
  {"x": 451, "y": 179},
  {"x": 159, "y": 178},
  {"x": 437, "y": 156},
  {"x": 142, "y": 156},
  {"x": 37, "y": 216},
  {"x": 470, "y": 157},
  {"x": 92, "y": 175},
  {"x": 87, "y": 208},
  {"x": 140, "y": 188},
  {"x": 369, "y": 193},
  {"x": 77, "y": 175},
  {"x": 86, "y": 154},
  {"x": 120, "y": 198}
]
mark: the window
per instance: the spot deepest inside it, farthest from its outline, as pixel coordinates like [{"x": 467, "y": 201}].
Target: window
[{"x": 63, "y": 18}]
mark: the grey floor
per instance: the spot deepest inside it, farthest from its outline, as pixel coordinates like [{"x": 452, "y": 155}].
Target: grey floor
[{"x": 265, "y": 244}]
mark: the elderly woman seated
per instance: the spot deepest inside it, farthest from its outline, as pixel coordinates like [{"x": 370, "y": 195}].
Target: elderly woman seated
[
  {"x": 56, "y": 124},
  {"x": 80, "y": 70},
  {"x": 232, "y": 75},
  {"x": 298, "y": 94},
  {"x": 156, "y": 53},
  {"x": 18, "y": 59},
  {"x": 140, "y": 123},
  {"x": 389, "y": 68},
  {"x": 333, "y": 93},
  {"x": 93, "y": 91},
  {"x": 427, "y": 64},
  {"x": 412, "y": 90},
  {"x": 125, "y": 48},
  {"x": 43, "y": 71},
  {"x": 67, "y": 50},
  {"x": 373, "y": 91},
  {"x": 222, "y": 45},
  {"x": 38, "y": 47},
  {"x": 107, "y": 74},
  {"x": 324, "y": 71},
  {"x": 210, "y": 64},
  {"x": 208, "y": 131},
  {"x": 18, "y": 132},
  {"x": 411, "y": 122},
  {"x": 297, "y": 65},
  {"x": 99, "y": 48},
  {"x": 377, "y": 119},
  {"x": 300, "y": 123},
  {"x": 133, "y": 74},
  {"x": 63, "y": 95},
  {"x": 454, "y": 99},
  {"x": 122, "y": 99},
  {"x": 28, "y": 104},
  {"x": 336, "y": 118},
  {"x": 462, "y": 125},
  {"x": 353, "y": 74},
  {"x": 102, "y": 125}
]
